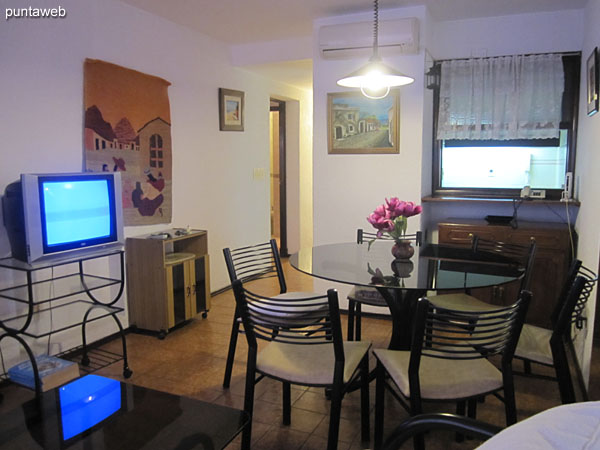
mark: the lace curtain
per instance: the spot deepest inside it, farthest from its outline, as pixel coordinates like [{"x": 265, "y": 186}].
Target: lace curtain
[{"x": 508, "y": 97}]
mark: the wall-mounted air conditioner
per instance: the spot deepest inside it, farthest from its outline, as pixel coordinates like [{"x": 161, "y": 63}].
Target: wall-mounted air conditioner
[{"x": 353, "y": 40}]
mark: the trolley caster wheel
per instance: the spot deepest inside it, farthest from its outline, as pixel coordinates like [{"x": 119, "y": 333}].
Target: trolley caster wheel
[
  {"x": 204, "y": 315},
  {"x": 85, "y": 361},
  {"x": 127, "y": 372},
  {"x": 162, "y": 334}
]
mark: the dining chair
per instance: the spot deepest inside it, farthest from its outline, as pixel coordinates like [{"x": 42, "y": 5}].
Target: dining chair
[
  {"x": 549, "y": 347},
  {"x": 449, "y": 363},
  {"x": 302, "y": 349},
  {"x": 519, "y": 253},
  {"x": 248, "y": 263},
  {"x": 368, "y": 295},
  {"x": 422, "y": 423}
]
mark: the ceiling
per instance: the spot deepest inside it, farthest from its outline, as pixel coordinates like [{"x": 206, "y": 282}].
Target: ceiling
[{"x": 248, "y": 21}]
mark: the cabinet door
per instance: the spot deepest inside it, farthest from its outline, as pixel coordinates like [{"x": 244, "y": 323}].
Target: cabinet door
[
  {"x": 201, "y": 285},
  {"x": 177, "y": 293},
  {"x": 547, "y": 278}
]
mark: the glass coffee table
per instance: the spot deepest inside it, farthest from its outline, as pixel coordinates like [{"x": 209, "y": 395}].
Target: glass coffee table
[{"x": 94, "y": 412}]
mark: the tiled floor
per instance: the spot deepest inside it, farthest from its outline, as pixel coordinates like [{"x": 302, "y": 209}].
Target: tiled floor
[{"x": 191, "y": 361}]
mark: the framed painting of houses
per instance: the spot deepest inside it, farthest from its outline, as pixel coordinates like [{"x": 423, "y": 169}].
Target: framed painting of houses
[
  {"x": 231, "y": 110},
  {"x": 357, "y": 124},
  {"x": 592, "y": 82}
]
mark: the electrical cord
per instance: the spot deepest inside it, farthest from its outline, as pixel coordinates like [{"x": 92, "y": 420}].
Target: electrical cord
[
  {"x": 50, "y": 297},
  {"x": 570, "y": 230}
]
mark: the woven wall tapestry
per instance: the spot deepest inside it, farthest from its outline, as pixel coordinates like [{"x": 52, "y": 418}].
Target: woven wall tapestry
[{"x": 128, "y": 129}]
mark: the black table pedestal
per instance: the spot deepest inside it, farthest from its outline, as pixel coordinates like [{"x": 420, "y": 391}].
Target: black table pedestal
[{"x": 402, "y": 304}]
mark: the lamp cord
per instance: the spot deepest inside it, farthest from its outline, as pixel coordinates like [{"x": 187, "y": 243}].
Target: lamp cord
[{"x": 375, "y": 28}]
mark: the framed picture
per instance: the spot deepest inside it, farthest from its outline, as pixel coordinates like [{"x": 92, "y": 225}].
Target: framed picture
[
  {"x": 231, "y": 110},
  {"x": 357, "y": 124},
  {"x": 592, "y": 82}
]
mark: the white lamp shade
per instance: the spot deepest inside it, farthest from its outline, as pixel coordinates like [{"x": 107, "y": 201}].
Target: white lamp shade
[{"x": 375, "y": 75}]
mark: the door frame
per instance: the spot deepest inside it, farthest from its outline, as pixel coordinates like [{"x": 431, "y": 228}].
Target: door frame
[{"x": 283, "y": 248}]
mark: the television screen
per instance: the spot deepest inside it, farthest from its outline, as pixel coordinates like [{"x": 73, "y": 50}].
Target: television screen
[{"x": 75, "y": 211}]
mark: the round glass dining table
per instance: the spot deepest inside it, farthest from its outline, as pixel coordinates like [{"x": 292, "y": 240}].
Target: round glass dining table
[{"x": 402, "y": 282}]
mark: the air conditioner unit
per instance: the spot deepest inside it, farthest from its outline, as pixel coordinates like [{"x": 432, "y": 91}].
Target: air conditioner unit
[{"x": 354, "y": 40}]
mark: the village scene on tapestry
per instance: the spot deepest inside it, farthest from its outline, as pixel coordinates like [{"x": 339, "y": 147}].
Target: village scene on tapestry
[{"x": 128, "y": 129}]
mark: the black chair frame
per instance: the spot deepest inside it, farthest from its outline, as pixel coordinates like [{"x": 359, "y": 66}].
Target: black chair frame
[
  {"x": 523, "y": 254},
  {"x": 250, "y": 263},
  {"x": 567, "y": 314},
  {"x": 438, "y": 333},
  {"x": 264, "y": 317},
  {"x": 422, "y": 423}
]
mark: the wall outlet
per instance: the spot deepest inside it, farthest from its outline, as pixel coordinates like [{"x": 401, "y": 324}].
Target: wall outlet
[
  {"x": 258, "y": 173},
  {"x": 537, "y": 193}
]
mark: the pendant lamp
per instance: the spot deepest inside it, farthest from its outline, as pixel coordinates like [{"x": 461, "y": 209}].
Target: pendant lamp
[{"x": 375, "y": 78}]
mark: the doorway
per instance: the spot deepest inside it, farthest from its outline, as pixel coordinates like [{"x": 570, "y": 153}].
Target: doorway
[{"x": 278, "y": 175}]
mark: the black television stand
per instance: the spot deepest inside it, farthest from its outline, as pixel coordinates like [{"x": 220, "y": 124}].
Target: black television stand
[{"x": 52, "y": 301}]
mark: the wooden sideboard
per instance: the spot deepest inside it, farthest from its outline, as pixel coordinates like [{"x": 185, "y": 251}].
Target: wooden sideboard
[{"x": 550, "y": 267}]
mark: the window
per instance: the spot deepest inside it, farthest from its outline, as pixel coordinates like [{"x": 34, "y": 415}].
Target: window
[
  {"x": 488, "y": 158},
  {"x": 156, "y": 152}
]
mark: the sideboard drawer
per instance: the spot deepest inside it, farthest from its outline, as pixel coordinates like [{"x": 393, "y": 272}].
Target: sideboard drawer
[
  {"x": 542, "y": 240},
  {"x": 464, "y": 235}
]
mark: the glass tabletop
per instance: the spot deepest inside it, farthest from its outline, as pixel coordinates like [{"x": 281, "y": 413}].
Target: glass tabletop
[
  {"x": 432, "y": 267},
  {"x": 95, "y": 412}
]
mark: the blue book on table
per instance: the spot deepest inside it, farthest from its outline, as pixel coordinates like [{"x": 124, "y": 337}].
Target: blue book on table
[{"x": 52, "y": 371}]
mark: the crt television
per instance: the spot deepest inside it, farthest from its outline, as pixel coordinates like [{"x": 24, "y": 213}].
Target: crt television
[{"x": 63, "y": 214}]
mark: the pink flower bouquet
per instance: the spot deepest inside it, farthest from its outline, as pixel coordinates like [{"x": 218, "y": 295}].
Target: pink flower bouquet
[{"x": 391, "y": 217}]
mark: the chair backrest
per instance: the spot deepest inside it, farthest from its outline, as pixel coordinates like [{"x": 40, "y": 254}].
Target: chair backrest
[
  {"x": 564, "y": 291},
  {"x": 523, "y": 254},
  {"x": 291, "y": 320},
  {"x": 362, "y": 236},
  {"x": 441, "y": 333},
  {"x": 255, "y": 261},
  {"x": 574, "y": 304}
]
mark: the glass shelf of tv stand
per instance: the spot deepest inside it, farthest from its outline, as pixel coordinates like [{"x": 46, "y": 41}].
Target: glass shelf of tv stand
[
  {"x": 57, "y": 287},
  {"x": 15, "y": 264},
  {"x": 53, "y": 319}
]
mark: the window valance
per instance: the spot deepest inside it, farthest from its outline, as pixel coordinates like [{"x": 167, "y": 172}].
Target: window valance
[{"x": 508, "y": 97}]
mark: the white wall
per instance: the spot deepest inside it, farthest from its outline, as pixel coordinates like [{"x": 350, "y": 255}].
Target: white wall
[
  {"x": 41, "y": 118},
  {"x": 507, "y": 35},
  {"x": 587, "y": 169}
]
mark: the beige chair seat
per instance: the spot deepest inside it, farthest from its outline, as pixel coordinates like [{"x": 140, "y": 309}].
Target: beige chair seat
[
  {"x": 460, "y": 301},
  {"x": 442, "y": 379},
  {"x": 367, "y": 295},
  {"x": 308, "y": 364},
  {"x": 534, "y": 344}
]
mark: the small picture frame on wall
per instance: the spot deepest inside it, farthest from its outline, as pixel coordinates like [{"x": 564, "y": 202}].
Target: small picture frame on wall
[
  {"x": 231, "y": 110},
  {"x": 357, "y": 124},
  {"x": 592, "y": 83}
]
